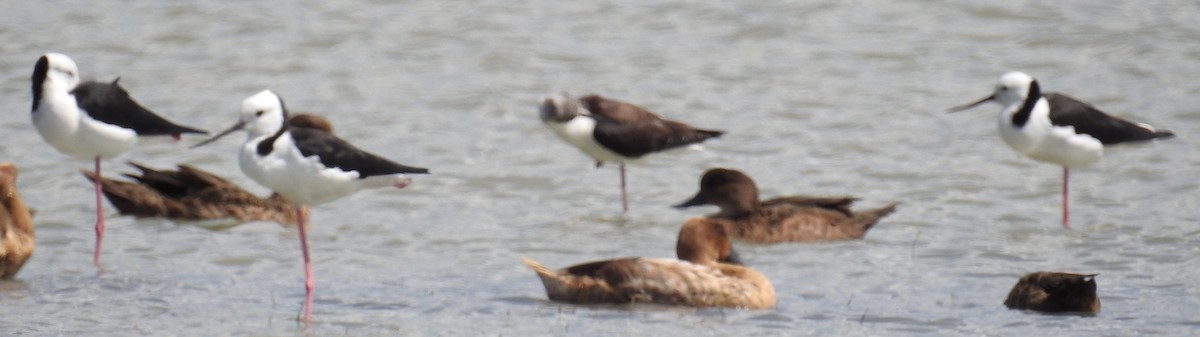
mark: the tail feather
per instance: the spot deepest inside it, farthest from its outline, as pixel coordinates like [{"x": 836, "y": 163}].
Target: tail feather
[
  {"x": 869, "y": 218},
  {"x": 537, "y": 267},
  {"x": 133, "y": 199},
  {"x": 1152, "y": 133}
]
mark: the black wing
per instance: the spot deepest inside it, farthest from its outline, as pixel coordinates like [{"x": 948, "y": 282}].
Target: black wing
[
  {"x": 633, "y": 131},
  {"x": 109, "y": 103},
  {"x": 638, "y": 139},
  {"x": 1086, "y": 119},
  {"x": 335, "y": 152}
]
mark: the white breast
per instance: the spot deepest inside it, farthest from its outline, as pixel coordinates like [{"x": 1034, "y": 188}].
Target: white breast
[
  {"x": 286, "y": 171},
  {"x": 579, "y": 132},
  {"x": 71, "y": 131},
  {"x": 1041, "y": 140}
]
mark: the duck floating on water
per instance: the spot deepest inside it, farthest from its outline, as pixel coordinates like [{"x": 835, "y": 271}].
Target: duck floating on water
[
  {"x": 783, "y": 219},
  {"x": 190, "y": 193},
  {"x": 707, "y": 274},
  {"x": 1053, "y": 292},
  {"x": 17, "y": 238}
]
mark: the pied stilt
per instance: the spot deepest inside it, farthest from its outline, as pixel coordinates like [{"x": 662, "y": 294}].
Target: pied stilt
[{"x": 1056, "y": 128}]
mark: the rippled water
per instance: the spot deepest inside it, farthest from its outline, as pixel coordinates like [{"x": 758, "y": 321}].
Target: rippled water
[{"x": 818, "y": 97}]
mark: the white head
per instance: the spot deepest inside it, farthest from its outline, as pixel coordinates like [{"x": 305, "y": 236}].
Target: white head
[
  {"x": 1012, "y": 89},
  {"x": 55, "y": 71},
  {"x": 261, "y": 115}
]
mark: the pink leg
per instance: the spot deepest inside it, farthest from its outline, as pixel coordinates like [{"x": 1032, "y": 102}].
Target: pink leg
[
  {"x": 1065, "y": 201},
  {"x": 624, "y": 196},
  {"x": 309, "y": 283},
  {"x": 99, "y": 215}
]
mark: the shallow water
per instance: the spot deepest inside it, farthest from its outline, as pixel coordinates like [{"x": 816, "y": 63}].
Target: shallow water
[{"x": 830, "y": 97}]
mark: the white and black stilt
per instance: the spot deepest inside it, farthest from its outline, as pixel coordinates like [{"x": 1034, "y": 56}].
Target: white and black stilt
[
  {"x": 1056, "y": 128},
  {"x": 307, "y": 165},
  {"x": 90, "y": 120}
]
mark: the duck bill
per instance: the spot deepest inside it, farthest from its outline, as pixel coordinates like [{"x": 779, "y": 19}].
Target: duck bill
[
  {"x": 971, "y": 105},
  {"x": 732, "y": 258},
  {"x": 697, "y": 200},
  {"x": 238, "y": 126}
]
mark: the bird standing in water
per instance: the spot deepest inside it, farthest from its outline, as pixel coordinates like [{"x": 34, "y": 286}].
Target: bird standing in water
[
  {"x": 613, "y": 131},
  {"x": 307, "y": 165},
  {"x": 90, "y": 120},
  {"x": 1056, "y": 128}
]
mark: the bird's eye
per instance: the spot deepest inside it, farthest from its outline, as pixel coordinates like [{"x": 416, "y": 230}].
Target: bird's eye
[{"x": 258, "y": 113}]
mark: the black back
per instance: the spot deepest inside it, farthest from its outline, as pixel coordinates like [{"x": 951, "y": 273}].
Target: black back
[
  {"x": 335, "y": 152},
  {"x": 1086, "y": 119},
  {"x": 633, "y": 131},
  {"x": 109, "y": 103}
]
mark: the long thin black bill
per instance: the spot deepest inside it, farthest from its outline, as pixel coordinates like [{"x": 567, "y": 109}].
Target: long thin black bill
[
  {"x": 231, "y": 129},
  {"x": 971, "y": 105}
]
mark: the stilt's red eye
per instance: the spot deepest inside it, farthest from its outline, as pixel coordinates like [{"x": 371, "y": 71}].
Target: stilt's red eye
[{"x": 259, "y": 113}]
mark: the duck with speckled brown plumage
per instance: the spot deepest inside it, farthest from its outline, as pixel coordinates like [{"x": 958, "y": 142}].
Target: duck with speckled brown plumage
[
  {"x": 16, "y": 225},
  {"x": 783, "y": 219},
  {"x": 190, "y": 193},
  {"x": 707, "y": 274},
  {"x": 1053, "y": 292}
]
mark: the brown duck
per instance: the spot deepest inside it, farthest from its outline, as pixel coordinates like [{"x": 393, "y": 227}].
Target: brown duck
[
  {"x": 705, "y": 275},
  {"x": 190, "y": 193},
  {"x": 1055, "y": 293},
  {"x": 783, "y": 219},
  {"x": 16, "y": 225}
]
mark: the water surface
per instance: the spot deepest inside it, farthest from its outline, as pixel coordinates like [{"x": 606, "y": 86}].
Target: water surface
[{"x": 817, "y": 97}]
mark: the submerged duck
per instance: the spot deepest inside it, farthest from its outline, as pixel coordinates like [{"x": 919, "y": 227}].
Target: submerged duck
[
  {"x": 783, "y": 219},
  {"x": 707, "y": 274},
  {"x": 1055, "y": 293},
  {"x": 190, "y": 193},
  {"x": 16, "y": 225}
]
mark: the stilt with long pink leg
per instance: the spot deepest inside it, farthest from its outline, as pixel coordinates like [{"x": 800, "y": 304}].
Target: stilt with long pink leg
[
  {"x": 1056, "y": 128},
  {"x": 307, "y": 165},
  {"x": 90, "y": 120},
  {"x": 99, "y": 215},
  {"x": 309, "y": 282}
]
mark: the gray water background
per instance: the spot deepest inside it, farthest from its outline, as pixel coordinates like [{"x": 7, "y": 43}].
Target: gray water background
[{"x": 817, "y": 97}]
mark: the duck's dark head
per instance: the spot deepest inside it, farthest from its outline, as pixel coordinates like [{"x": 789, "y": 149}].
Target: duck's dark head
[
  {"x": 705, "y": 241},
  {"x": 731, "y": 190}
]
